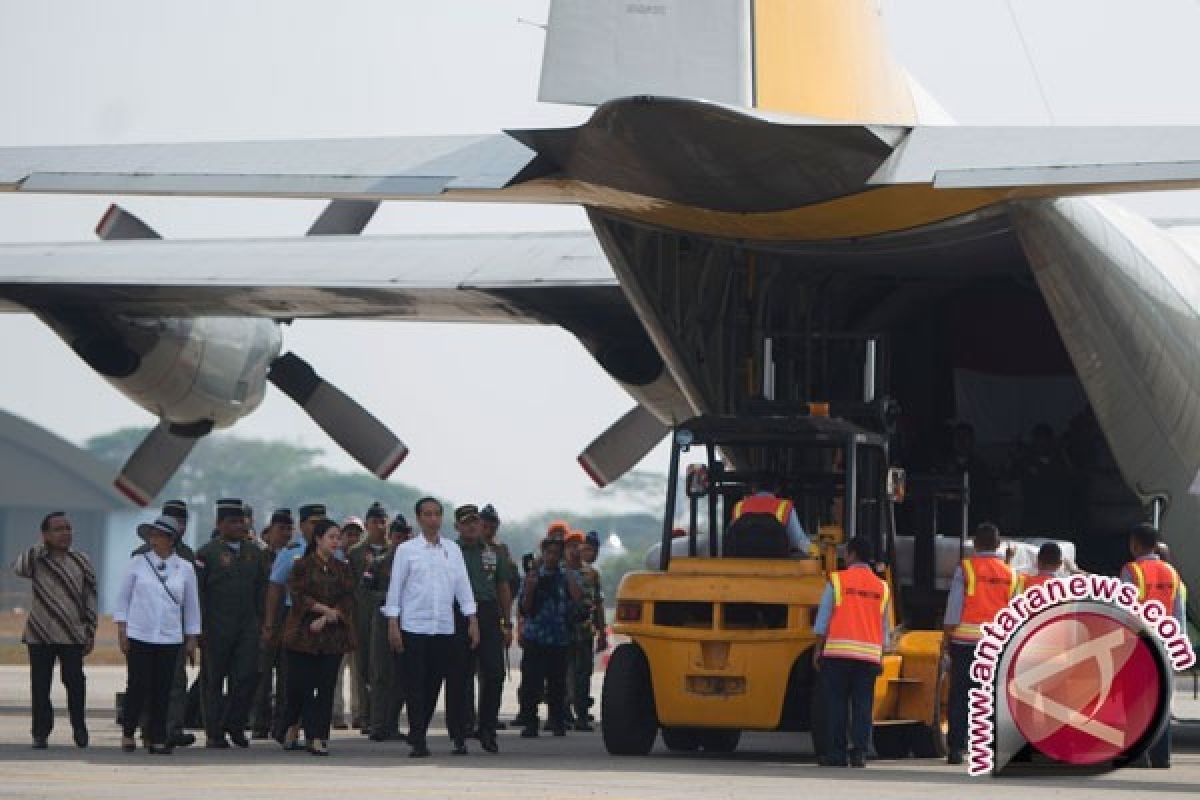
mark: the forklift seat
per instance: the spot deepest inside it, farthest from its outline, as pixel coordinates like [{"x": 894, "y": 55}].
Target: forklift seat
[{"x": 755, "y": 536}]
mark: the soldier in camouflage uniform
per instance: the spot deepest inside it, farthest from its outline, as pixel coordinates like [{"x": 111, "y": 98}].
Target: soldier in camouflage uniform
[
  {"x": 588, "y": 632},
  {"x": 367, "y": 599},
  {"x": 385, "y": 675}
]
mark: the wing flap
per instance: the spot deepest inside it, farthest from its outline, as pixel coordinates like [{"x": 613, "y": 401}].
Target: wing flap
[
  {"x": 962, "y": 157},
  {"x": 410, "y": 166}
]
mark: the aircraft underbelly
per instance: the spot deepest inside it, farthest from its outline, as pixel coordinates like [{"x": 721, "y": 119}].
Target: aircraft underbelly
[{"x": 1126, "y": 300}]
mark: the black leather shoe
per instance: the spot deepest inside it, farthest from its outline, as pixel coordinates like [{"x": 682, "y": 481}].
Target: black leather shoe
[
  {"x": 530, "y": 732},
  {"x": 260, "y": 734},
  {"x": 954, "y": 758},
  {"x": 501, "y": 726},
  {"x": 81, "y": 737},
  {"x": 586, "y": 727},
  {"x": 826, "y": 761},
  {"x": 487, "y": 740},
  {"x": 460, "y": 748},
  {"x": 857, "y": 759},
  {"x": 216, "y": 743},
  {"x": 181, "y": 739},
  {"x": 160, "y": 749},
  {"x": 419, "y": 751},
  {"x": 39, "y": 743},
  {"x": 238, "y": 737}
]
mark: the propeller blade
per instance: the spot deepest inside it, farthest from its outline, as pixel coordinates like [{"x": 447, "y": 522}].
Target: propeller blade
[
  {"x": 365, "y": 438},
  {"x": 344, "y": 217},
  {"x": 622, "y": 446},
  {"x": 117, "y": 223},
  {"x": 156, "y": 459}
]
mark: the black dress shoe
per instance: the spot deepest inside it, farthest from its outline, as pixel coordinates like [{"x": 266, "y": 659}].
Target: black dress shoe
[
  {"x": 460, "y": 748},
  {"x": 829, "y": 762},
  {"x": 487, "y": 740},
  {"x": 419, "y": 751},
  {"x": 260, "y": 734},
  {"x": 586, "y": 727},
  {"x": 216, "y": 743},
  {"x": 501, "y": 726},
  {"x": 39, "y": 743},
  {"x": 81, "y": 737},
  {"x": 160, "y": 749},
  {"x": 954, "y": 758},
  {"x": 181, "y": 739},
  {"x": 857, "y": 759},
  {"x": 529, "y": 732},
  {"x": 238, "y": 737}
]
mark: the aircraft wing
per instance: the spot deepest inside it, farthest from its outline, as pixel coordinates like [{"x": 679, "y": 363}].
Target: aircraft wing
[
  {"x": 972, "y": 157},
  {"x": 559, "y": 278},
  {"x": 685, "y": 151},
  {"x": 408, "y": 166}
]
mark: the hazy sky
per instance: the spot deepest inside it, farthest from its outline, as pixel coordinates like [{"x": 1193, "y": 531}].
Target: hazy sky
[{"x": 490, "y": 412}]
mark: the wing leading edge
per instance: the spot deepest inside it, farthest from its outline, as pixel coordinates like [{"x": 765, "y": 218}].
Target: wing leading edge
[{"x": 549, "y": 277}]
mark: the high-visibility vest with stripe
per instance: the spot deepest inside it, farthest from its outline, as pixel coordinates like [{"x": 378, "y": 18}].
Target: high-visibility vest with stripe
[
  {"x": 1029, "y": 581},
  {"x": 988, "y": 585},
  {"x": 860, "y": 600},
  {"x": 764, "y": 504},
  {"x": 1155, "y": 580}
]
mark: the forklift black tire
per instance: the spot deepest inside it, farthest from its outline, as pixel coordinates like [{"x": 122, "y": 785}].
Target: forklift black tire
[
  {"x": 720, "y": 740},
  {"x": 893, "y": 741},
  {"x": 681, "y": 740},
  {"x": 628, "y": 720}
]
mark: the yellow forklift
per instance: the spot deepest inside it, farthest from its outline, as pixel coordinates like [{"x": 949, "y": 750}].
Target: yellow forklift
[{"x": 720, "y": 635}]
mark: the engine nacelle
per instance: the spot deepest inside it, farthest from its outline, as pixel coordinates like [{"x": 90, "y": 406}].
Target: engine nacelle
[{"x": 183, "y": 370}]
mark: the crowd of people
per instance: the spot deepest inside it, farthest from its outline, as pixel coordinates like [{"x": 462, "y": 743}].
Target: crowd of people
[{"x": 275, "y": 620}]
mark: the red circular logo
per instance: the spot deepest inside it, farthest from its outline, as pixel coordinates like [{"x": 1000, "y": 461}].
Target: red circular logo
[{"x": 1084, "y": 688}]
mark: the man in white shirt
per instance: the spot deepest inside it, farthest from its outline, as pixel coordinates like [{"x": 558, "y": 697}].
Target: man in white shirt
[{"x": 428, "y": 578}]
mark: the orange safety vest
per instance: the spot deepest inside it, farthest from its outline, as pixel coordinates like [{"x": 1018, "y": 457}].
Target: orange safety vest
[
  {"x": 1029, "y": 581},
  {"x": 1155, "y": 580},
  {"x": 764, "y": 504},
  {"x": 988, "y": 585},
  {"x": 860, "y": 600}
]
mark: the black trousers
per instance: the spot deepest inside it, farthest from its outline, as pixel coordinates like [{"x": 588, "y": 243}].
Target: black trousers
[
  {"x": 232, "y": 657},
  {"x": 427, "y": 658},
  {"x": 486, "y": 664},
  {"x": 310, "y": 682},
  {"x": 151, "y": 675},
  {"x": 849, "y": 685},
  {"x": 269, "y": 696},
  {"x": 543, "y": 665},
  {"x": 41, "y": 674},
  {"x": 961, "y": 656}
]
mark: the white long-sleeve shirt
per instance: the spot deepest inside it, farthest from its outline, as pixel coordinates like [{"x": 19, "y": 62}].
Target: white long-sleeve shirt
[
  {"x": 426, "y": 580},
  {"x": 152, "y": 615}
]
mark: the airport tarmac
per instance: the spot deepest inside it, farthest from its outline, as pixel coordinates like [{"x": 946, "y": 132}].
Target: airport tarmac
[{"x": 766, "y": 766}]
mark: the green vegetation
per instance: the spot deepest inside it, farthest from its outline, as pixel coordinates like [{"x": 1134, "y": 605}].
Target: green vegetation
[{"x": 274, "y": 474}]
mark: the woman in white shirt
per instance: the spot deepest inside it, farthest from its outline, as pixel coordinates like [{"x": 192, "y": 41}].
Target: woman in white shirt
[{"x": 157, "y": 611}]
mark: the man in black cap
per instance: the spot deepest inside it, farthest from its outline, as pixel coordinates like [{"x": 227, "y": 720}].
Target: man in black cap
[
  {"x": 488, "y": 572},
  {"x": 177, "y": 708},
  {"x": 386, "y": 676},
  {"x": 268, "y": 697},
  {"x": 367, "y": 600},
  {"x": 232, "y": 578}
]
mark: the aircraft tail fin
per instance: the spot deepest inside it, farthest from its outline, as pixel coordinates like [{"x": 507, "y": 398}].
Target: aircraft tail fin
[{"x": 827, "y": 59}]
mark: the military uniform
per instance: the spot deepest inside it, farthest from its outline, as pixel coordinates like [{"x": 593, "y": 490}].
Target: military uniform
[
  {"x": 385, "y": 675},
  {"x": 581, "y": 655},
  {"x": 232, "y": 583},
  {"x": 488, "y": 569},
  {"x": 269, "y": 696},
  {"x": 367, "y": 600},
  {"x": 177, "y": 706}
]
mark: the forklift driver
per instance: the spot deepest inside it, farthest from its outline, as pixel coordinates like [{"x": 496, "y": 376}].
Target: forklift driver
[{"x": 764, "y": 507}]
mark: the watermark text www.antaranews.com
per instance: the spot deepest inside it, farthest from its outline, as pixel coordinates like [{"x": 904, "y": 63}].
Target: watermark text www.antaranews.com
[{"x": 997, "y": 635}]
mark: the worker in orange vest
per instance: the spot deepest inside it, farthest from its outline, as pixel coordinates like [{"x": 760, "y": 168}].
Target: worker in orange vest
[
  {"x": 852, "y": 629},
  {"x": 1155, "y": 579},
  {"x": 764, "y": 500},
  {"x": 1049, "y": 562},
  {"x": 982, "y": 585}
]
